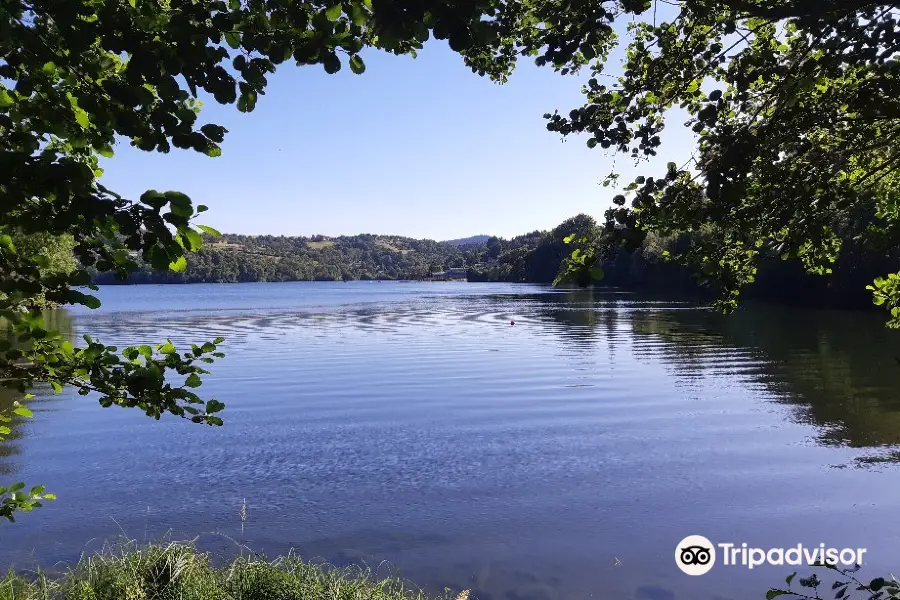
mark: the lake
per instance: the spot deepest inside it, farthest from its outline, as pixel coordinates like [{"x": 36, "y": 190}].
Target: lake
[{"x": 564, "y": 456}]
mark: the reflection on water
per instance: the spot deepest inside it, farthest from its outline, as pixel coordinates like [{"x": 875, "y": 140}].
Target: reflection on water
[
  {"x": 54, "y": 320},
  {"x": 560, "y": 456},
  {"x": 840, "y": 369}
]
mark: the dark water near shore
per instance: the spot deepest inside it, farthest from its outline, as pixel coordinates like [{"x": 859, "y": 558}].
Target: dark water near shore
[{"x": 563, "y": 457}]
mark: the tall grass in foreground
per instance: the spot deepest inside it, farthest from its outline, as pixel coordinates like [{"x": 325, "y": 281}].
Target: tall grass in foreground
[{"x": 178, "y": 571}]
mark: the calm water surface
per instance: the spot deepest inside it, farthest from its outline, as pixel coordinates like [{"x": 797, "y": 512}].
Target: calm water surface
[{"x": 563, "y": 457}]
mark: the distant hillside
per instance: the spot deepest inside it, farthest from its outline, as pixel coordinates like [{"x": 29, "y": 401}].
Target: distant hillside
[
  {"x": 473, "y": 239},
  {"x": 533, "y": 257}
]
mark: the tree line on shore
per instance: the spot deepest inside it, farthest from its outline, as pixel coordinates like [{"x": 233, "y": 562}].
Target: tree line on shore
[
  {"x": 231, "y": 258},
  {"x": 535, "y": 257}
]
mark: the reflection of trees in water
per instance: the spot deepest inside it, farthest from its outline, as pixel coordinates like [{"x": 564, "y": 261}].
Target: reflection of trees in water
[
  {"x": 54, "y": 320},
  {"x": 579, "y": 313},
  {"x": 8, "y": 447},
  {"x": 839, "y": 369}
]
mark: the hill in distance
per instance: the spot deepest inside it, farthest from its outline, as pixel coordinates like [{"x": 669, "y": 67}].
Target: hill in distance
[{"x": 472, "y": 239}]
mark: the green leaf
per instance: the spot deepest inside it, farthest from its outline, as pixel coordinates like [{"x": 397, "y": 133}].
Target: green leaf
[
  {"x": 357, "y": 65},
  {"x": 790, "y": 578},
  {"x": 91, "y": 302},
  {"x": 82, "y": 118},
  {"x": 357, "y": 14},
  {"x": 23, "y": 412},
  {"x": 5, "y": 98},
  {"x": 209, "y": 230},
  {"x": 332, "y": 63},
  {"x": 179, "y": 204},
  {"x": 233, "y": 40},
  {"x": 178, "y": 265},
  {"x": 193, "y": 381},
  {"x": 194, "y": 239},
  {"x": 775, "y": 593},
  {"x": 153, "y": 198},
  {"x": 167, "y": 348},
  {"x": 247, "y": 102},
  {"x": 333, "y": 12}
]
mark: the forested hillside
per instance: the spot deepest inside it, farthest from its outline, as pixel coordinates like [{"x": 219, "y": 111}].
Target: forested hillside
[
  {"x": 472, "y": 239},
  {"x": 533, "y": 257},
  {"x": 243, "y": 258}
]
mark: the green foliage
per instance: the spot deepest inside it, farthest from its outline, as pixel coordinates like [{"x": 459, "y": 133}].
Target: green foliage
[
  {"x": 535, "y": 257},
  {"x": 795, "y": 108},
  {"x": 846, "y": 586},
  {"x": 886, "y": 291},
  {"x": 181, "y": 572},
  {"x": 241, "y": 258},
  {"x": 16, "y": 497},
  {"x": 662, "y": 263},
  {"x": 263, "y": 581}
]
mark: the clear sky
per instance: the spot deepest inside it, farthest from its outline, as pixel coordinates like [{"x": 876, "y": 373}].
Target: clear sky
[{"x": 418, "y": 147}]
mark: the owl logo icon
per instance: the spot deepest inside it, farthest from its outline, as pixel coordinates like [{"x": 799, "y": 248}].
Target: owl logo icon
[{"x": 695, "y": 555}]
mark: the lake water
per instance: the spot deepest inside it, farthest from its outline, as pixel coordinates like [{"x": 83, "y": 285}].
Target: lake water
[{"x": 561, "y": 457}]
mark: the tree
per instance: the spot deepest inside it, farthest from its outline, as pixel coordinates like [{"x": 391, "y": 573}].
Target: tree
[
  {"x": 494, "y": 247},
  {"x": 796, "y": 111}
]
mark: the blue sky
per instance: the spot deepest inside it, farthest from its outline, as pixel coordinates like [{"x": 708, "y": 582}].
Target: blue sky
[{"x": 419, "y": 147}]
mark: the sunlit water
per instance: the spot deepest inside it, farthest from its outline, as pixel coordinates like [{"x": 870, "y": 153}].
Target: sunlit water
[{"x": 564, "y": 456}]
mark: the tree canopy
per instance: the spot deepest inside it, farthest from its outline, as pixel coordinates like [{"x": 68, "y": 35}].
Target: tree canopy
[{"x": 795, "y": 109}]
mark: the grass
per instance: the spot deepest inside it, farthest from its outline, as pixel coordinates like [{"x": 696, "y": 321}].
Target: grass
[
  {"x": 320, "y": 245},
  {"x": 178, "y": 571}
]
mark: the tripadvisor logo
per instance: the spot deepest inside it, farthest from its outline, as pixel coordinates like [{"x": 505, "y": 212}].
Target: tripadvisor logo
[{"x": 696, "y": 555}]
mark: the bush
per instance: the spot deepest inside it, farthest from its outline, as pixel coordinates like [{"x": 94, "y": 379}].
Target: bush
[{"x": 262, "y": 581}]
